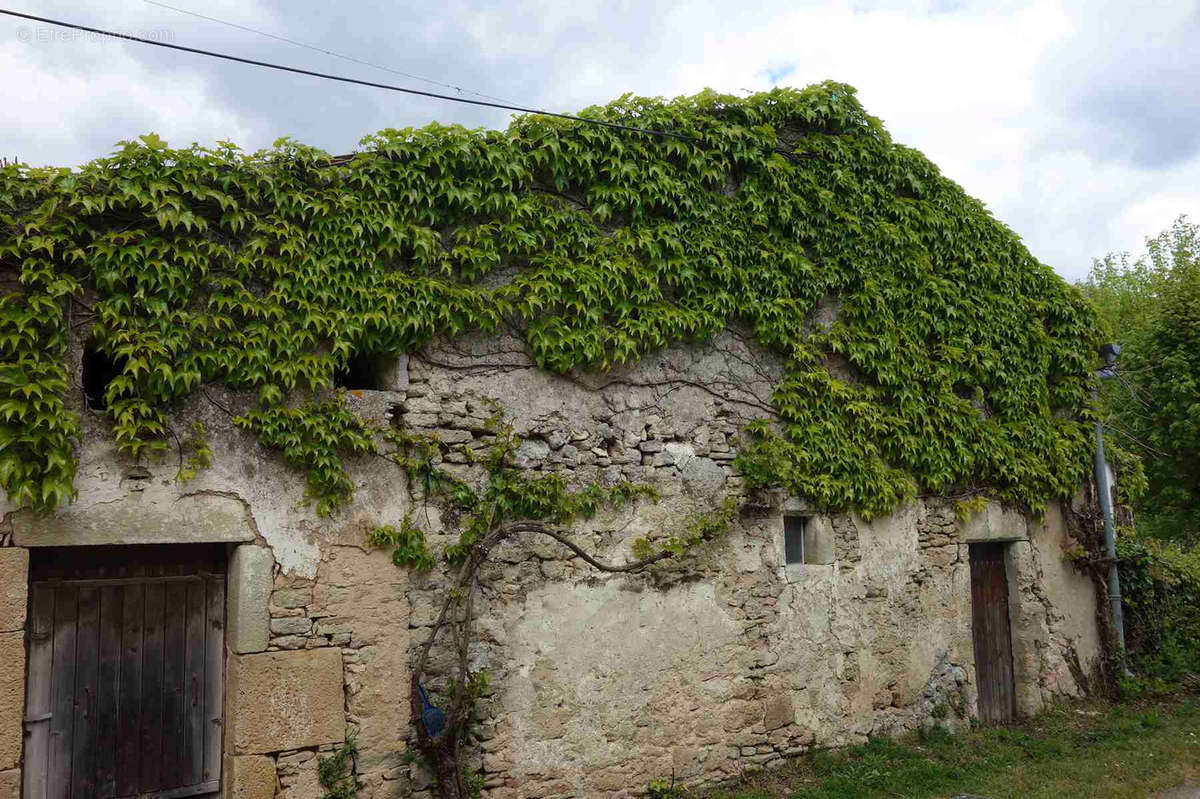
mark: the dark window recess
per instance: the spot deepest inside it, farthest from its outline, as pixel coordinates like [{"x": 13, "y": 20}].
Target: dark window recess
[
  {"x": 365, "y": 372},
  {"x": 125, "y": 694},
  {"x": 98, "y": 372},
  {"x": 793, "y": 538}
]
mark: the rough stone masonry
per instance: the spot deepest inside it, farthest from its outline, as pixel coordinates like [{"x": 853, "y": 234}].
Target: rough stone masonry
[{"x": 600, "y": 684}]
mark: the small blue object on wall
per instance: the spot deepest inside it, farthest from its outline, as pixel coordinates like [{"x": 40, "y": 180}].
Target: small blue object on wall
[{"x": 433, "y": 718}]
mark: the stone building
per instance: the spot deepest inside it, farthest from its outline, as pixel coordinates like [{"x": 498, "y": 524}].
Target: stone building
[
  {"x": 185, "y": 628},
  {"x": 283, "y": 634}
]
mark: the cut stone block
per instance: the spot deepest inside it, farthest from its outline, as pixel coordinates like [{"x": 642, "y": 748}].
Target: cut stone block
[
  {"x": 994, "y": 523},
  {"x": 249, "y": 592},
  {"x": 10, "y": 784},
  {"x": 250, "y": 777},
  {"x": 366, "y": 594},
  {"x": 285, "y": 700},
  {"x": 778, "y": 712},
  {"x": 300, "y": 779},
  {"x": 12, "y": 697},
  {"x": 157, "y": 519},
  {"x": 14, "y": 588}
]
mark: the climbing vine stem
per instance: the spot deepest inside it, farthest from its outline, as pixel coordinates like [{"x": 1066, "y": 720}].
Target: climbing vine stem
[{"x": 510, "y": 503}]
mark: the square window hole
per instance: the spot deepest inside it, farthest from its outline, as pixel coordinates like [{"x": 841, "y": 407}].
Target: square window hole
[
  {"x": 98, "y": 371},
  {"x": 368, "y": 372},
  {"x": 807, "y": 541},
  {"x": 793, "y": 539}
]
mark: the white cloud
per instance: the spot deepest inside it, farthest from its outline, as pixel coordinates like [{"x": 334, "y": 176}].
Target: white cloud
[
  {"x": 1074, "y": 120},
  {"x": 69, "y": 89}
]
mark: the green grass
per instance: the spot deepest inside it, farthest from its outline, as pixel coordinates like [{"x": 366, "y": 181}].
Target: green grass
[{"x": 1074, "y": 750}]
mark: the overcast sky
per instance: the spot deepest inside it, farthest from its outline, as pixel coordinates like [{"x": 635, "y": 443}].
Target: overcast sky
[{"x": 1076, "y": 121}]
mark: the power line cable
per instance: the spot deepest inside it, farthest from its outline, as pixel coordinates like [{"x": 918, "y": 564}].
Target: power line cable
[
  {"x": 1148, "y": 447},
  {"x": 1135, "y": 392},
  {"x": 317, "y": 49},
  {"x": 1129, "y": 392},
  {"x": 354, "y": 81}
]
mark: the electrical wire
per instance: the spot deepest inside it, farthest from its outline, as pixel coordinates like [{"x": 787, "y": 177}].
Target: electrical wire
[
  {"x": 1148, "y": 447},
  {"x": 1134, "y": 391},
  {"x": 354, "y": 81},
  {"x": 317, "y": 49},
  {"x": 1138, "y": 400}
]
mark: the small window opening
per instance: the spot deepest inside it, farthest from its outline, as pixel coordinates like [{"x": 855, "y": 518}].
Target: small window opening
[
  {"x": 794, "y": 530},
  {"x": 807, "y": 540},
  {"x": 98, "y": 371},
  {"x": 367, "y": 372}
]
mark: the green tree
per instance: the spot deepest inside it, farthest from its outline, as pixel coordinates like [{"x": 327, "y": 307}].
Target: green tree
[{"x": 1151, "y": 306}]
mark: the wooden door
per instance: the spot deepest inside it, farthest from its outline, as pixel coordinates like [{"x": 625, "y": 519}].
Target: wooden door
[
  {"x": 991, "y": 633},
  {"x": 125, "y": 692}
]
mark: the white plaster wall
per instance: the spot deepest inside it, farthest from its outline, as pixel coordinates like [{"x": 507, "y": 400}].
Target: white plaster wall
[
  {"x": 597, "y": 669},
  {"x": 1072, "y": 598},
  {"x": 248, "y": 493}
]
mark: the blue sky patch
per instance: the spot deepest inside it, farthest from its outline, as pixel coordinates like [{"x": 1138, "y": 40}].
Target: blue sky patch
[{"x": 778, "y": 72}]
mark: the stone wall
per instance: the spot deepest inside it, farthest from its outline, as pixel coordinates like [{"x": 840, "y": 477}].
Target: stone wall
[
  {"x": 14, "y": 577},
  {"x": 600, "y": 683}
]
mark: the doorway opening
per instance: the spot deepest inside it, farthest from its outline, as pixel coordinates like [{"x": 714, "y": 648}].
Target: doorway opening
[
  {"x": 125, "y": 690},
  {"x": 992, "y": 633}
]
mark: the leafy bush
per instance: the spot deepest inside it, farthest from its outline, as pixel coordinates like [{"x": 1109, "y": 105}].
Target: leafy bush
[
  {"x": 407, "y": 544},
  {"x": 336, "y": 773},
  {"x": 1160, "y": 584},
  {"x": 1151, "y": 306},
  {"x": 666, "y": 789}
]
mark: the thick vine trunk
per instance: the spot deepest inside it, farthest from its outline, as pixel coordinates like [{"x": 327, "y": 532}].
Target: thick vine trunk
[
  {"x": 443, "y": 752},
  {"x": 449, "y": 779}
]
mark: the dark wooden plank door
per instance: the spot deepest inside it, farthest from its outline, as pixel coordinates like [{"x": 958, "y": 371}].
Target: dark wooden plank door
[
  {"x": 196, "y": 643},
  {"x": 174, "y": 627},
  {"x": 39, "y": 691},
  {"x": 129, "y": 699},
  {"x": 126, "y": 678},
  {"x": 112, "y": 606},
  {"x": 87, "y": 662},
  {"x": 151, "y": 731},
  {"x": 62, "y": 678},
  {"x": 992, "y": 634},
  {"x": 214, "y": 694}
]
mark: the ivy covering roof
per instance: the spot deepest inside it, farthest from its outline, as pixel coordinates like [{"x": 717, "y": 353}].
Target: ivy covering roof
[{"x": 957, "y": 361}]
